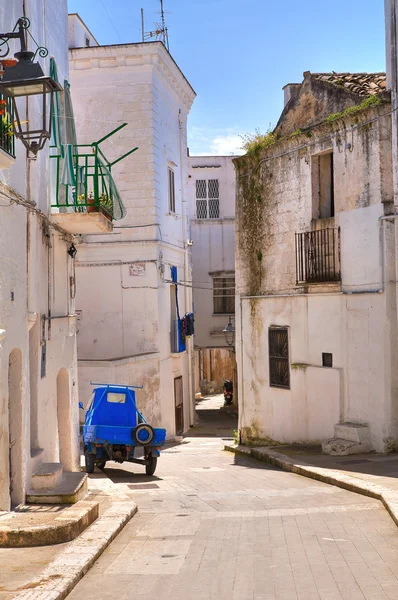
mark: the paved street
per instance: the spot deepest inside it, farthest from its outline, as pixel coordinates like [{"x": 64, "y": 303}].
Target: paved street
[{"x": 215, "y": 525}]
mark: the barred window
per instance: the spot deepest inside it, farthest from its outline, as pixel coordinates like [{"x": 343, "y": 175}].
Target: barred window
[
  {"x": 224, "y": 295},
  {"x": 278, "y": 347},
  {"x": 172, "y": 194},
  {"x": 207, "y": 199}
]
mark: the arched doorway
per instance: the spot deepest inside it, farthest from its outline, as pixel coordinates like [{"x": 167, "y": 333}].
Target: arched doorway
[
  {"x": 15, "y": 427},
  {"x": 64, "y": 417}
]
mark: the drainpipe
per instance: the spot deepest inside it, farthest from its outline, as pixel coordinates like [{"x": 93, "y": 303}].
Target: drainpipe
[
  {"x": 392, "y": 54},
  {"x": 187, "y": 289}
]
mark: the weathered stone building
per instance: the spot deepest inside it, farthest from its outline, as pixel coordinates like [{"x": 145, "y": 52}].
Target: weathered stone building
[{"x": 315, "y": 270}]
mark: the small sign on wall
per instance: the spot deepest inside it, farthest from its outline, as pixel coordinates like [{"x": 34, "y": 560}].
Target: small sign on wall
[{"x": 137, "y": 270}]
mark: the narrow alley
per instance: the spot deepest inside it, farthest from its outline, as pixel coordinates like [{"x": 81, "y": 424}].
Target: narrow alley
[{"x": 215, "y": 525}]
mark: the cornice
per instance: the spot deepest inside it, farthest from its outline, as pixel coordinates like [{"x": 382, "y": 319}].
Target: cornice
[{"x": 152, "y": 54}]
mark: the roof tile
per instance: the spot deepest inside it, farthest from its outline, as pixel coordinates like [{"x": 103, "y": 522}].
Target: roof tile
[{"x": 364, "y": 84}]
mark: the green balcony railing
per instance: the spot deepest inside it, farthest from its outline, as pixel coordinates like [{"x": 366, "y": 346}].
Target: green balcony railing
[
  {"x": 7, "y": 137},
  {"x": 84, "y": 182}
]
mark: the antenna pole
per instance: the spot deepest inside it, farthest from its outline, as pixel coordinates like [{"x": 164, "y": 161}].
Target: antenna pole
[
  {"x": 142, "y": 24},
  {"x": 162, "y": 14}
]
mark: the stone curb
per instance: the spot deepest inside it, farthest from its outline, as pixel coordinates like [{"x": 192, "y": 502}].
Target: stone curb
[
  {"x": 330, "y": 476},
  {"x": 66, "y": 570},
  {"x": 64, "y": 528}
]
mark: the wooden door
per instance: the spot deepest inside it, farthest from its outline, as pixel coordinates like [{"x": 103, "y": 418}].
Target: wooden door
[{"x": 179, "y": 406}]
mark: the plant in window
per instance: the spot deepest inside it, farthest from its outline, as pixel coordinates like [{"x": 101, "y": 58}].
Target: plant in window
[{"x": 6, "y": 125}]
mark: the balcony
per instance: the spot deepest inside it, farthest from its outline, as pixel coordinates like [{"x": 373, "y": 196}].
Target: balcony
[
  {"x": 86, "y": 197},
  {"x": 318, "y": 256},
  {"x": 7, "y": 138}
]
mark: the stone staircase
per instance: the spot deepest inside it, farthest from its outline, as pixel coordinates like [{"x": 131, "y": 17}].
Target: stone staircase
[
  {"x": 349, "y": 438},
  {"x": 52, "y": 485}
]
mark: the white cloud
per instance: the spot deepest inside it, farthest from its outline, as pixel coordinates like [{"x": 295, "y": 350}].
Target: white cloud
[
  {"x": 210, "y": 142},
  {"x": 224, "y": 145}
]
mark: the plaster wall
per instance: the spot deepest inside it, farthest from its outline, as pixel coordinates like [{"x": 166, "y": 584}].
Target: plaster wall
[
  {"x": 276, "y": 202},
  {"x": 354, "y": 320},
  {"x": 34, "y": 283},
  {"x": 124, "y": 278},
  {"x": 357, "y": 388},
  {"x": 79, "y": 34},
  {"x": 213, "y": 249}
]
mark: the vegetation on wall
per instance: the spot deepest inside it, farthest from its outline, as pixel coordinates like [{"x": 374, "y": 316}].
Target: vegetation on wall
[
  {"x": 253, "y": 143},
  {"x": 352, "y": 110}
]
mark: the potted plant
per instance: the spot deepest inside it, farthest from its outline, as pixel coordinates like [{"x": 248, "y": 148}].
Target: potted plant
[
  {"x": 8, "y": 62},
  {"x": 106, "y": 205},
  {"x": 6, "y": 126}
]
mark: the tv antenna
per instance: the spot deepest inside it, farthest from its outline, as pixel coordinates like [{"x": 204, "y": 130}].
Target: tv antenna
[{"x": 161, "y": 32}]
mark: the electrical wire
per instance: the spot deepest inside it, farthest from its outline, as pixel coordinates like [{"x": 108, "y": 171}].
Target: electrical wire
[
  {"x": 110, "y": 19},
  {"x": 316, "y": 142}
]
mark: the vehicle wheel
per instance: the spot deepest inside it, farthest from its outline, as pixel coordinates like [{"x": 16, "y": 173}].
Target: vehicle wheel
[
  {"x": 143, "y": 434},
  {"x": 151, "y": 467},
  {"x": 90, "y": 463},
  {"x": 101, "y": 464}
]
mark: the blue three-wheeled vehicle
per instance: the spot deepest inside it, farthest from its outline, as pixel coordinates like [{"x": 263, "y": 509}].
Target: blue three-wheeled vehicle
[{"x": 114, "y": 429}]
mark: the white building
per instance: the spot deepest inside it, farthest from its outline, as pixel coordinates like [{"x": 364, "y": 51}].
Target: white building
[
  {"x": 316, "y": 271},
  {"x": 129, "y": 295},
  {"x": 38, "y": 368},
  {"x": 212, "y": 217}
]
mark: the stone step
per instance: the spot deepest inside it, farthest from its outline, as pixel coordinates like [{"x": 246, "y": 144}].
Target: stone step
[
  {"x": 343, "y": 447},
  {"x": 47, "y": 476},
  {"x": 16, "y": 532},
  {"x": 70, "y": 490},
  {"x": 354, "y": 432}
]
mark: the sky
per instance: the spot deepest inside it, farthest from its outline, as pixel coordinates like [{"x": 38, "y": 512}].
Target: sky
[{"x": 238, "y": 54}]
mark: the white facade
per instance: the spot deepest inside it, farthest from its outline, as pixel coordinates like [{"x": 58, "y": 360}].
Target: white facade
[
  {"x": 213, "y": 237},
  {"x": 126, "y": 296},
  {"x": 38, "y": 369},
  {"x": 211, "y": 188},
  {"x": 340, "y": 353}
]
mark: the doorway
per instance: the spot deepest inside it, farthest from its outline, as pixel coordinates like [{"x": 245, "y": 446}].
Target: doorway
[
  {"x": 15, "y": 427},
  {"x": 179, "y": 406},
  {"x": 64, "y": 418}
]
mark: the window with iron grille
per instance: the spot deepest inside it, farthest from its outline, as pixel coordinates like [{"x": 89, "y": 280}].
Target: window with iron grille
[
  {"x": 278, "y": 347},
  {"x": 172, "y": 193},
  {"x": 318, "y": 256},
  {"x": 224, "y": 295},
  {"x": 207, "y": 199}
]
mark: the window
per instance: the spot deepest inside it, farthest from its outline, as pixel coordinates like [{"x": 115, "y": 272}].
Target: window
[
  {"x": 87, "y": 42},
  {"x": 318, "y": 256},
  {"x": 172, "y": 194},
  {"x": 116, "y": 398},
  {"x": 322, "y": 186},
  {"x": 278, "y": 347},
  {"x": 224, "y": 295},
  {"x": 327, "y": 359},
  {"x": 207, "y": 199}
]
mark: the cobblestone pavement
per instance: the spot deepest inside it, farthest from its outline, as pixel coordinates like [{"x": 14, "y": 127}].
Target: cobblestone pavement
[{"x": 216, "y": 525}]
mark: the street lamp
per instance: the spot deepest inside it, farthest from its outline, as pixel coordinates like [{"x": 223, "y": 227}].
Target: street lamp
[
  {"x": 26, "y": 78},
  {"x": 229, "y": 333}
]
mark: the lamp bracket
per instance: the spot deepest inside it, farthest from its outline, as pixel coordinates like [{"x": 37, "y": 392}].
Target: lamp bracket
[{"x": 21, "y": 26}]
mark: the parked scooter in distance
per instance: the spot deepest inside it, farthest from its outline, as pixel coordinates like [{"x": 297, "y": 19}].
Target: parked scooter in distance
[{"x": 228, "y": 392}]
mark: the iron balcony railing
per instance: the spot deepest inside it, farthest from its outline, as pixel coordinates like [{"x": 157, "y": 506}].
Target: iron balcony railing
[
  {"x": 83, "y": 179},
  {"x": 318, "y": 256},
  {"x": 92, "y": 190},
  {"x": 7, "y": 137}
]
